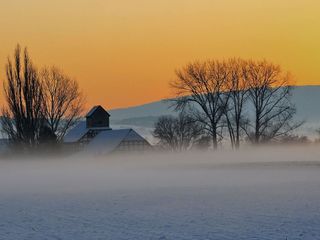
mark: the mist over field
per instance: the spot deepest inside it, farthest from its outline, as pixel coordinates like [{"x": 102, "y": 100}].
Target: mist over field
[{"x": 262, "y": 193}]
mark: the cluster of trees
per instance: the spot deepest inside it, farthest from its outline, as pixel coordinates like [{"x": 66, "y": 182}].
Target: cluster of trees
[
  {"x": 180, "y": 133},
  {"x": 241, "y": 99},
  {"x": 41, "y": 105}
]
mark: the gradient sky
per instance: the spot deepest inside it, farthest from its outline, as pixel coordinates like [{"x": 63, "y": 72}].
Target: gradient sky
[{"x": 124, "y": 52}]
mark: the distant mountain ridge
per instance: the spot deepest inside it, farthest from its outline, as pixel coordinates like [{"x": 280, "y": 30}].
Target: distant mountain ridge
[
  {"x": 154, "y": 109},
  {"x": 306, "y": 99}
]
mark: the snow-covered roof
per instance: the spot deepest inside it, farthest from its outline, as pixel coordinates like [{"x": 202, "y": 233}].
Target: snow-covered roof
[
  {"x": 76, "y": 133},
  {"x": 134, "y": 136},
  {"x": 107, "y": 141}
]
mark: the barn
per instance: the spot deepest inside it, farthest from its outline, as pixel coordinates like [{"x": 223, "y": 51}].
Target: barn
[{"x": 95, "y": 135}]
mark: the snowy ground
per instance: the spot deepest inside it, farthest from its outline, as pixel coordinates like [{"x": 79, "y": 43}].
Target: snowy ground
[{"x": 260, "y": 194}]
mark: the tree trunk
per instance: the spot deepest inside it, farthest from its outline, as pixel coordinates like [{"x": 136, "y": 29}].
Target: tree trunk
[{"x": 214, "y": 141}]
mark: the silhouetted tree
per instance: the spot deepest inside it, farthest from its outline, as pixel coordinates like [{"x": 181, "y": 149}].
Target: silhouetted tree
[
  {"x": 201, "y": 86},
  {"x": 219, "y": 93},
  {"x": 178, "y": 133},
  {"x": 63, "y": 101},
  {"x": 47, "y": 138},
  {"x": 22, "y": 118},
  {"x": 270, "y": 95},
  {"x": 40, "y": 107},
  {"x": 237, "y": 88}
]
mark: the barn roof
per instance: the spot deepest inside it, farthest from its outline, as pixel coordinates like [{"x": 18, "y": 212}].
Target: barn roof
[
  {"x": 94, "y": 109},
  {"x": 107, "y": 141},
  {"x": 76, "y": 133}
]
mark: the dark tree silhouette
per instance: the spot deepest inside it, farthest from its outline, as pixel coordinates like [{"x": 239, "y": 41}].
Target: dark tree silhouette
[
  {"x": 237, "y": 89},
  {"x": 47, "y": 138},
  {"x": 63, "y": 101},
  {"x": 178, "y": 133},
  {"x": 40, "y": 107},
  {"x": 270, "y": 95},
  {"x": 201, "y": 86},
  {"x": 228, "y": 94},
  {"x": 22, "y": 118}
]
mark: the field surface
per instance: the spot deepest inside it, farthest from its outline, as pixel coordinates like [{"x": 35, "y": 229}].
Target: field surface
[{"x": 259, "y": 194}]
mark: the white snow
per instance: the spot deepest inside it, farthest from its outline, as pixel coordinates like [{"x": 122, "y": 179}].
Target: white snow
[
  {"x": 76, "y": 133},
  {"x": 107, "y": 141},
  {"x": 255, "y": 194}
]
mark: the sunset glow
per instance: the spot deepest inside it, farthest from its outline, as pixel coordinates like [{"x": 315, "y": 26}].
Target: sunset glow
[{"x": 125, "y": 52}]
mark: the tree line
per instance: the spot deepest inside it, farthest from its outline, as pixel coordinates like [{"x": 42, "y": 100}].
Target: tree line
[
  {"x": 233, "y": 100},
  {"x": 41, "y": 104},
  {"x": 236, "y": 99}
]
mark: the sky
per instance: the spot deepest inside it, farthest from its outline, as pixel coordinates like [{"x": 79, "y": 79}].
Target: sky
[{"x": 125, "y": 52}]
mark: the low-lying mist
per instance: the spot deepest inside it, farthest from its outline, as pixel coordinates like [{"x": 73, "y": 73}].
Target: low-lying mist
[
  {"x": 101, "y": 173},
  {"x": 114, "y": 172}
]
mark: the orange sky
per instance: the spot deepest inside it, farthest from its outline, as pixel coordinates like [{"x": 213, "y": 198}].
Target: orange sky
[{"x": 124, "y": 52}]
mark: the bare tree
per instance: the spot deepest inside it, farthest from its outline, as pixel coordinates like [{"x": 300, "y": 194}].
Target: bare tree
[
  {"x": 63, "y": 101},
  {"x": 178, "y": 133},
  {"x": 164, "y": 130},
  {"x": 201, "y": 86},
  {"x": 22, "y": 118},
  {"x": 270, "y": 95},
  {"x": 237, "y": 89}
]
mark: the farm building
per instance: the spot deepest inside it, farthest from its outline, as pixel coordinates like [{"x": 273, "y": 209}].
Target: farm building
[{"x": 95, "y": 135}]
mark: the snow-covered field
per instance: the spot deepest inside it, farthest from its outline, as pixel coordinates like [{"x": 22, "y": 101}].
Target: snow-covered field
[{"x": 253, "y": 194}]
